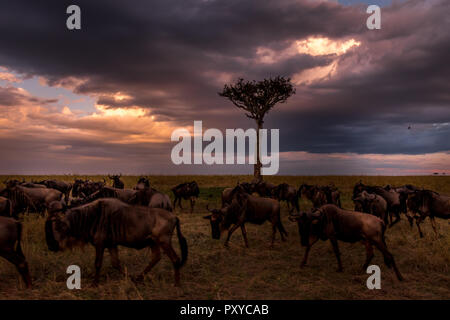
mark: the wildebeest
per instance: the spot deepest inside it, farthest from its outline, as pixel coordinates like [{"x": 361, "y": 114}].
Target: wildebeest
[
  {"x": 314, "y": 194},
  {"x": 117, "y": 183},
  {"x": 333, "y": 223},
  {"x": 245, "y": 208},
  {"x": 36, "y": 199},
  {"x": 427, "y": 203},
  {"x": 10, "y": 247},
  {"x": 125, "y": 195},
  {"x": 403, "y": 192},
  {"x": 143, "y": 183},
  {"x": 6, "y": 209},
  {"x": 227, "y": 192},
  {"x": 373, "y": 204},
  {"x": 263, "y": 188},
  {"x": 320, "y": 195},
  {"x": 392, "y": 198},
  {"x": 109, "y": 223},
  {"x": 160, "y": 200},
  {"x": 84, "y": 188},
  {"x": 62, "y": 186},
  {"x": 287, "y": 193},
  {"x": 187, "y": 190}
]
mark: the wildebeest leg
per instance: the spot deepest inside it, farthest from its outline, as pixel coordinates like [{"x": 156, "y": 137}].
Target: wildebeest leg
[
  {"x": 334, "y": 243},
  {"x": 369, "y": 255},
  {"x": 244, "y": 234},
  {"x": 388, "y": 258},
  {"x": 99, "y": 250},
  {"x": 168, "y": 249},
  {"x": 390, "y": 217},
  {"x": 397, "y": 218},
  {"x": 156, "y": 256},
  {"x": 410, "y": 219},
  {"x": 281, "y": 229},
  {"x": 418, "y": 221},
  {"x": 230, "y": 232},
  {"x": 19, "y": 261},
  {"x": 179, "y": 203},
  {"x": 274, "y": 231},
  {"x": 192, "y": 204},
  {"x": 114, "y": 253},
  {"x": 305, "y": 257},
  {"x": 433, "y": 224}
]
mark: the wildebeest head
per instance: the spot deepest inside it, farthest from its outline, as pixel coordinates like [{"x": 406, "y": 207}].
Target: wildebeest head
[
  {"x": 362, "y": 200},
  {"x": 216, "y": 218},
  {"x": 56, "y": 227},
  {"x": 117, "y": 183},
  {"x": 308, "y": 226},
  {"x": 280, "y": 191},
  {"x": 77, "y": 186},
  {"x": 248, "y": 187},
  {"x": 308, "y": 190},
  {"x": 418, "y": 201},
  {"x": 358, "y": 188},
  {"x": 143, "y": 183}
]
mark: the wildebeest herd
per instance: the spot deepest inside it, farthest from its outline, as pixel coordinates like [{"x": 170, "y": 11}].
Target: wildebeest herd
[{"x": 110, "y": 216}]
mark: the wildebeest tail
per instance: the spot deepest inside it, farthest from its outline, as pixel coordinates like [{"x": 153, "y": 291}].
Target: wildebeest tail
[{"x": 183, "y": 244}]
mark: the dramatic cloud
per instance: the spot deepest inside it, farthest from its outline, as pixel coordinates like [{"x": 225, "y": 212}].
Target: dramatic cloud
[{"x": 139, "y": 70}]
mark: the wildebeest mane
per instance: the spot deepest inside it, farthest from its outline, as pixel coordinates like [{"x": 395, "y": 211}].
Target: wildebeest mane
[
  {"x": 87, "y": 220},
  {"x": 20, "y": 200}
]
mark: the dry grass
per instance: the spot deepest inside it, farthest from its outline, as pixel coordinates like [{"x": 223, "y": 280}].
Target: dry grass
[{"x": 214, "y": 272}]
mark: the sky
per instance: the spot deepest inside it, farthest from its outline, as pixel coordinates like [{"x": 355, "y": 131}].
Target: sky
[{"x": 106, "y": 98}]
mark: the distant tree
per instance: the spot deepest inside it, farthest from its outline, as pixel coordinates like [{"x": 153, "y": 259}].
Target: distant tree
[{"x": 256, "y": 98}]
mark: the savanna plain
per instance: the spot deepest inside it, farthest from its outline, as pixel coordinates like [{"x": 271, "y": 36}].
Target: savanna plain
[{"x": 258, "y": 272}]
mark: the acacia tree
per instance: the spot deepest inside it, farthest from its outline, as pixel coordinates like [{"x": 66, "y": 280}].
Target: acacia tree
[{"x": 256, "y": 98}]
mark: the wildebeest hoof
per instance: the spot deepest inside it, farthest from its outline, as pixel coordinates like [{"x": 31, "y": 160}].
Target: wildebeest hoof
[
  {"x": 302, "y": 265},
  {"x": 340, "y": 270}
]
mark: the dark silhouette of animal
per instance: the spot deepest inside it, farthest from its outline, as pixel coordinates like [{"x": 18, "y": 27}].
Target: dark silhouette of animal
[
  {"x": 125, "y": 195},
  {"x": 314, "y": 194},
  {"x": 6, "y": 208},
  {"x": 373, "y": 204},
  {"x": 403, "y": 192},
  {"x": 11, "y": 249},
  {"x": 187, "y": 190},
  {"x": 143, "y": 183},
  {"x": 160, "y": 200},
  {"x": 329, "y": 222},
  {"x": 36, "y": 199},
  {"x": 227, "y": 195},
  {"x": 109, "y": 223},
  {"x": 263, "y": 188},
  {"x": 285, "y": 192},
  {"x": 320, "y": 195},
  {"x": 84, "y": 188},
  {"x": 19, "y": 201},
  {"x": 117, "y": 183},
  {"x": 392, "y": 198},
  {"x": 245, "y": 208},
  {"x": 62, "y": 186},
  {"x": 427, "y": 203}
]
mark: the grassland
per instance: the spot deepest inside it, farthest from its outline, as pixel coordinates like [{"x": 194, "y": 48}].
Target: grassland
[{"x": 214, "y": 272}]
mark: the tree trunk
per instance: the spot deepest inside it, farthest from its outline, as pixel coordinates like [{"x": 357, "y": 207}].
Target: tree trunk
[{"x": 258, "y": 165}]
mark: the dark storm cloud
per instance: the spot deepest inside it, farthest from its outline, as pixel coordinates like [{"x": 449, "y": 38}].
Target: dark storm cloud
[{"x": 171, "y": 57}]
